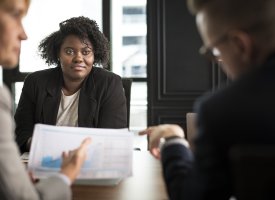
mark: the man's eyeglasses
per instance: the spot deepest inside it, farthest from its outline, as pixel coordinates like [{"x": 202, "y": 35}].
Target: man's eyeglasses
[{"x": 211, "y": 52}]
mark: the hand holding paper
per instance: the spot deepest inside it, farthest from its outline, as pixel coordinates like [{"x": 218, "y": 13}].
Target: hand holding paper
[
  {"x": 108, "y": 156},
  {"x": 73, "y": 160}
]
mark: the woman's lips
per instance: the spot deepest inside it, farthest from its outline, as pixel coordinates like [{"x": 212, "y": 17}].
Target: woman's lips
[{"x": 78, "y": 67}]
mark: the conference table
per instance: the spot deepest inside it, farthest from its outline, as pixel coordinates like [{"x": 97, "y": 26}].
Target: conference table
[{"x": 145, "y": 184}]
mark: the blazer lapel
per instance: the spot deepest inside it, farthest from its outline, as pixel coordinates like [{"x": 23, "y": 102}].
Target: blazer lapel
[
  {"x": 52, "y": 99},
  {"x": 87, "y": 103}
]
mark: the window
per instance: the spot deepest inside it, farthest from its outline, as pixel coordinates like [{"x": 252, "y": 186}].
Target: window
[
  {"x": 133, "y": 40},
  {"x": 134, "y": 10},
  {"x": 129, "y": 56},
  {"x": 134, "y": 14}
]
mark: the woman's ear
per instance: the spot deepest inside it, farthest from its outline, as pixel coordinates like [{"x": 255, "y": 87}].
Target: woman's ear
[{"x": 243, "y": 43}]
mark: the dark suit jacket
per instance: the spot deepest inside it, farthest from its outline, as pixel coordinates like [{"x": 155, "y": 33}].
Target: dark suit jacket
[
  {"x": 241, "y": 113},
  {"x": 102, "y": 102}
]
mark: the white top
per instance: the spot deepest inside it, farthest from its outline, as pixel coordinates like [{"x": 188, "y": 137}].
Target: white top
[{"x": 68, "y": 110}]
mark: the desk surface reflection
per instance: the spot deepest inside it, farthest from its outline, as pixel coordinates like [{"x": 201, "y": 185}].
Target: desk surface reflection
[{"x": 145, "y": 184}]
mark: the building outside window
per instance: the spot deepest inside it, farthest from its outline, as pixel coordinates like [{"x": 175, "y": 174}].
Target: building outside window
[{"x": 129, "y": 56}]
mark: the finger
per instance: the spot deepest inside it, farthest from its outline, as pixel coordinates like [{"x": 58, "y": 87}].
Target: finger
[
  {"x": 33, "y": 179},
  {"x": 153, "y": 142},
  {"x": 155, "y": 152},
  {"x": 147, "y": 131},
  {"x": 31, "y": 175},
  {"x": 144, "y": 132},
  {"x": 64, "y": 155},
  {"x": 86, "y": 141},
  {"x": 154, "y": 139},
  {"x": 84, "y": 145}
]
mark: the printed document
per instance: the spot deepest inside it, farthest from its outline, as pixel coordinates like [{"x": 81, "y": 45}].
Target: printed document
[{"x": 110, "y": 154}]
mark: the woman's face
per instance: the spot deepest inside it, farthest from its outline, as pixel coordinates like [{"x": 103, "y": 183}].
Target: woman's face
[
  {"x": 11, "y": 31},
  {"x": 76, "y": 58}
]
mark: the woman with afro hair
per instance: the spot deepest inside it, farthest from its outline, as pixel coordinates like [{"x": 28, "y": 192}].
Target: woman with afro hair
[{"x": 78, "y": 91}]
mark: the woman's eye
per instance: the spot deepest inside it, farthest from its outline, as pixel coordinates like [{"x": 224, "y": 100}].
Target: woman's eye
[
  {"x": 86, "y": 52},
  {"x": 69, "y": 51}
]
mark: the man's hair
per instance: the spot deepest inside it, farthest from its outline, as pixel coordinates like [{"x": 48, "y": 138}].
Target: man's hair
[
  {"x": 237, "y": 13},
  {"x": 82, "y": 27}
]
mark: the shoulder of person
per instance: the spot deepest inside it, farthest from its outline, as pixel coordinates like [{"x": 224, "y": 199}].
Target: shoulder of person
[
  {"x": 5, "y": 97},
  {"x": 43, "y": 74},
  {"x": 101, "y": 73},
  {"x": 227, "y": 99}
]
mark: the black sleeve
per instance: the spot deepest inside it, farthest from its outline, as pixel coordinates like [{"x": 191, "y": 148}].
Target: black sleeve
[
  {"x": 24, "y": 115},
  {"x": 113, "y": 110}
]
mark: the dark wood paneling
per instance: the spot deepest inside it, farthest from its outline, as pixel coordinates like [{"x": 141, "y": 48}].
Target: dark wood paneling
[
  {"x": 174, "y": 116},
  {"x": 177, "y": 74}
]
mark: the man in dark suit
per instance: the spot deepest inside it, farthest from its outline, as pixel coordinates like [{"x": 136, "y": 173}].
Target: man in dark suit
[{"x": 240, "y": 34}]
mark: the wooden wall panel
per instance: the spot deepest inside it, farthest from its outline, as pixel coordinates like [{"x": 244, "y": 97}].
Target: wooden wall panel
[{"x": 177, "y": 74}]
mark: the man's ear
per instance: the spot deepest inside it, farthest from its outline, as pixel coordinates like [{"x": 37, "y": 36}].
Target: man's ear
[{"x": 243, "y": 43}]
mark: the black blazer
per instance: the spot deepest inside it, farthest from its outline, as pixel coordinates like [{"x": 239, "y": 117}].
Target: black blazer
[
  {"x": 242, "y": 113},
  {"x": 102, "y": 102}
]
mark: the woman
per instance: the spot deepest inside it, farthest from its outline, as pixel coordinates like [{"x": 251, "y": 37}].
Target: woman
[
  {"x": 15, "y": 182},
  {"x": 76, "y": 92}
]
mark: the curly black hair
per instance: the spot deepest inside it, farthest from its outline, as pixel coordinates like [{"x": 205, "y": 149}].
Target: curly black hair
[{"x": 82, "y": 27}]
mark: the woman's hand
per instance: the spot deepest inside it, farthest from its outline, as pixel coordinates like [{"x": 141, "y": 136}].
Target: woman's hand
[
  {"x": 73, "y": 160},
  {"x": 156, "y": 133}
]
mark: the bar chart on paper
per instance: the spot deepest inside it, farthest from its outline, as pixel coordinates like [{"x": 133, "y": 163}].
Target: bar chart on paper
[{"x": 108, "y": 156}]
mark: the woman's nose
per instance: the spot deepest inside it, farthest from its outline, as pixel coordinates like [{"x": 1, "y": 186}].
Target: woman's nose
[{"x": 78, "y": 57}]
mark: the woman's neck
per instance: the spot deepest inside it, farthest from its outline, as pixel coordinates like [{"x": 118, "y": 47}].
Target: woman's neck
[{"x": 71, "y": 87}]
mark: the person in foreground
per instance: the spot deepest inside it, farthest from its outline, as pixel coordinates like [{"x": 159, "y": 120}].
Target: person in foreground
[
  {"x": 15, "y": 181},
  {"x": 242, "y": 113},
  {"x": 76, "y": 92}
]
